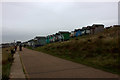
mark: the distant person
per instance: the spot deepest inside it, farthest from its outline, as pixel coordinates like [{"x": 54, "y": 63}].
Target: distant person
[
  {"x": 15, "y": 48},
  {"x": 24, "y": 45},
  {"x": 20, "y": 47},
  {"x": 12, "y": 51}
]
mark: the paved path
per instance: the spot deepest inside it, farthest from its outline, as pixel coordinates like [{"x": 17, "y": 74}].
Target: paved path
[
  {"x": 16, "y": 69},
  {"x": 41, "y": 65}
]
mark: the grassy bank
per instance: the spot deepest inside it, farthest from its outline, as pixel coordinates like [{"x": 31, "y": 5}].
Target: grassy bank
[
  {"x": 7, "y": 60},
  {"x": 100, "y": 51}
]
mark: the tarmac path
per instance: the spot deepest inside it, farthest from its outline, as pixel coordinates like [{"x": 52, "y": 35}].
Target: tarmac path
[
  {"x": 41, "y": 65},
  {"x": 16, "y": 68}
]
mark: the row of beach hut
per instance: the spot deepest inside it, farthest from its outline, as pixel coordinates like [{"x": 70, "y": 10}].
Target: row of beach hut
[{"x": 64, "y": 35}]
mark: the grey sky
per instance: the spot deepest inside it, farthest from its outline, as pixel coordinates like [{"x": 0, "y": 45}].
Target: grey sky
[
  {"x": 119, "y": 13},
  {"x": 25, "y": 20},
  {"x": 0, "y": 22}
]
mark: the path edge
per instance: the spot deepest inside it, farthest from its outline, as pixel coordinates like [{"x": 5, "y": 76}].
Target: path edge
[{"x": 24, "y": 69}]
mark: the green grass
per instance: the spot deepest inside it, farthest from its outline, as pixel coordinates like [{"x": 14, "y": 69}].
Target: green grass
[
  {"x": 6, "y": 71},
  {"x": 7, "y": 60},
  {"x": 101, "y": 51}
]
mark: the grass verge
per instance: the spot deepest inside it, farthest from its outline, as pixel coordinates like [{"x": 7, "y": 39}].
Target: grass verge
[{"x": 7, "y": 59}]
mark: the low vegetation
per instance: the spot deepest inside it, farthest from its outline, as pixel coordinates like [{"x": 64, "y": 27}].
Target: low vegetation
[
  {"x": 100, "y": 51},
  {"x": 7, "y": 59}
]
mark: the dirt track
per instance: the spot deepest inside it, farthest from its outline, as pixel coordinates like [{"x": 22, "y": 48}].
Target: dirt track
[{"x": 41, "y": 65}]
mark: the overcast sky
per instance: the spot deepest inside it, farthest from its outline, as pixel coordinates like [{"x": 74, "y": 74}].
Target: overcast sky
[{"x": 25, "y": 20}]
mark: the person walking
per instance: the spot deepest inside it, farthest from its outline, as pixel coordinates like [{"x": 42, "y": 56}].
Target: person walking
[
  {"x": 20, "y": 47},
  {"x": 12, "y": 51},
  {"x": 15, "y": 48}
]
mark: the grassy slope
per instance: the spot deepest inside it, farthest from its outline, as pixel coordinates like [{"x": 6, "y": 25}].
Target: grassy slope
[
  {"x": 7, "y": 60},
  {"x": 99, "y": 51}
]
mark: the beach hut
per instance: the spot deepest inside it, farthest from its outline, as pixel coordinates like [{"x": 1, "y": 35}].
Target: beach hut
[
  {"x": 83, "y": 31},
  {"x": 96, "y": 28},
  {"x": 77, "y": 32},
  {"x": 58, "y": 37},
  {"x": 48, "y": 39},
  {"x": 31, "y": 43},
  {"x": 88, "y": 29},
  {"x": 54, "y": 38},
  {"x": 51, "y": 38},
  {"x": 65, "y": 35},
  {"x": 40, "y": 41}
]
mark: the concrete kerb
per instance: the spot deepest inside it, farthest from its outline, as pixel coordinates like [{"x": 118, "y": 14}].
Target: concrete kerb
[{"x": 24, "y": 70}]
